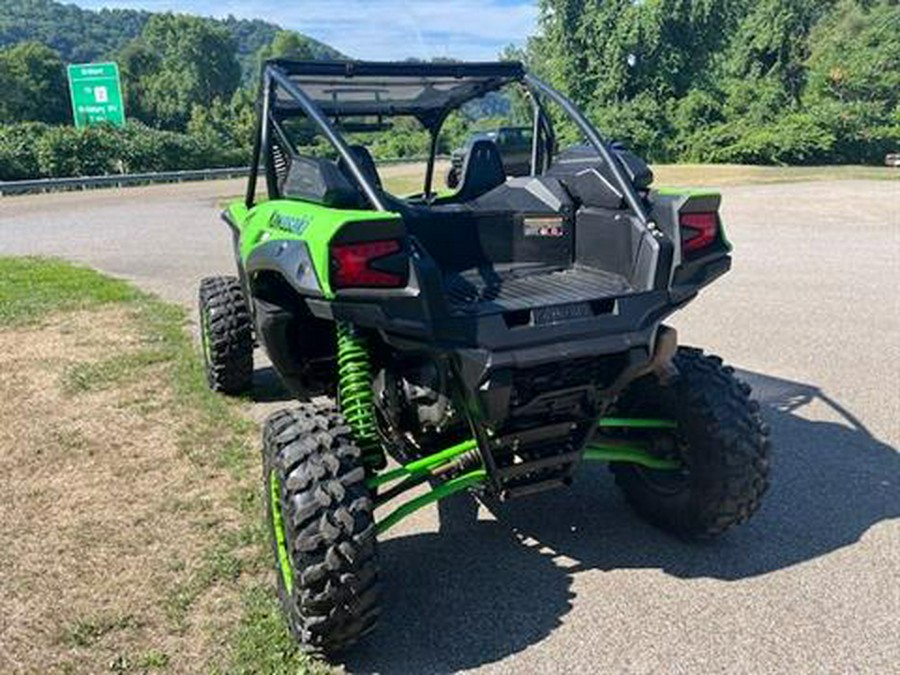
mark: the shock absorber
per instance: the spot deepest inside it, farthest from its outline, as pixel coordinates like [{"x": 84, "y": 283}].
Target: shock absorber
[{"x": 355, "y": 393}]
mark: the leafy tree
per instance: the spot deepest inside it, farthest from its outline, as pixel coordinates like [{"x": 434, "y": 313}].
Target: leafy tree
[
  {"x": 231, "y": 124},
  {"x": 179, "y": 61},
  {"x": 137, "y": 64},
  {"x": 772, "y": 42},
  {"x": 34, "y": 84},
  {"x": 287, "y": 44},
  {"x": 854, "y": 55},
  {"x": 610, "y": 51}
]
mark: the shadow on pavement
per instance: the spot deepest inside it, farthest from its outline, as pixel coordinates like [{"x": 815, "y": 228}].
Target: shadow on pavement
[
  {"x": 268, "y": 387},
  {"x": 483, "y": 590}
]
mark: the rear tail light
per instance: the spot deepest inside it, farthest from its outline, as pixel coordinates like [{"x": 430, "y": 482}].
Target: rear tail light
[
  {"x": 698, "y": 230},
  {"x": 369, "y": 264}
]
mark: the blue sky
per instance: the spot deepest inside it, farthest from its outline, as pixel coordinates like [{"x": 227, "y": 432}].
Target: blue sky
[{"x": 378, "y": 29}]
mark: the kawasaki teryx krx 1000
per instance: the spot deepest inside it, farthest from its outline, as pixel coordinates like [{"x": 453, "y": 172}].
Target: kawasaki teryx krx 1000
[{"x": 490, "y": 339}]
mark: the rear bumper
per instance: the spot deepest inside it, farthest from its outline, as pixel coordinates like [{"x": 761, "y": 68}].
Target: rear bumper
[{"x": 608, "y": 325}]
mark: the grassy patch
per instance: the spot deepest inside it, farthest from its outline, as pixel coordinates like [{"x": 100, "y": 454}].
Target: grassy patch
[
  {"x": 152, "y": 659},
  {"x": 220, "y": 565},
  {"x": 85, "y": 632},
  {"x": 31, "y": 288},
  {"x": 96, "y": 375},
  {"x": 715, "y": 175},
  {"x": 262, "y": 643},
  {"x": 404, "y": 184},
  {"x": 212, "y": 432}
]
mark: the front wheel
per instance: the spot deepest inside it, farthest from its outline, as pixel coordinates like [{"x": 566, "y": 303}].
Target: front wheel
[
  {"x": 720, "y": 439},
  {"x": 322, "y": 527}
]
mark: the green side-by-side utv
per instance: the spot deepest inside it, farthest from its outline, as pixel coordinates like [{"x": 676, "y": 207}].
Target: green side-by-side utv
[{"x": 491, "y": 339}]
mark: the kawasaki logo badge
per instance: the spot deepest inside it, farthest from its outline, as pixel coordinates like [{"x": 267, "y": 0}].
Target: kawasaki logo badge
[{"x": 295, "y": 224}]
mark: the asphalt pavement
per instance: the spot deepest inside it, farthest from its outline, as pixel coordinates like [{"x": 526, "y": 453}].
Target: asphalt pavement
[{"x": 571, "y": 581}]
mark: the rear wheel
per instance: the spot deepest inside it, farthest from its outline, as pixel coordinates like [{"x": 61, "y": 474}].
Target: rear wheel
[
  {"x": 720, "y": 439},
  {"x": 226, "y": 334},
  {"x": 453, "y": 178},
  {"x": 322, "y": 527}
]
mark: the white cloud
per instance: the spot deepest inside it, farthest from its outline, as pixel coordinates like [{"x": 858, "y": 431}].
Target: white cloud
[{"x": 381, "y": 29}]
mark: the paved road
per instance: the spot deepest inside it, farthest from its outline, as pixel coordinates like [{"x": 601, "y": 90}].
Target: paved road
[{"x": 572, "y": 581}]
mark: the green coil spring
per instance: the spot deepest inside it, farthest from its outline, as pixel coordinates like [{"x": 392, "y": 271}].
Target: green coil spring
[{"x": 355, "y": 393}]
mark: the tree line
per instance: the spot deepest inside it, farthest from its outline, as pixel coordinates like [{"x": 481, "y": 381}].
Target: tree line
[{"x": 742, "y": 81}]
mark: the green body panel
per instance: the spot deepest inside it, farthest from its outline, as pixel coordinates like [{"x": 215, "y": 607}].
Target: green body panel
[
  {"x": 669, "y": 191},
  {"x": 294, "y": 220}
]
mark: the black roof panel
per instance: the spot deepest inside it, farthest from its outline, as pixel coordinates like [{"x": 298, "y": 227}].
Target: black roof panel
[{"x": 342, "y": 88}]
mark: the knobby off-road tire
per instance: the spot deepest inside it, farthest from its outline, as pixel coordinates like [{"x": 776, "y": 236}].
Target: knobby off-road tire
[
  {"x": 453, "y": 178},
  {"x": 226, "y": 333},
  {"x": 322, "y": 527},
  {"x": 721, "y": 439}
]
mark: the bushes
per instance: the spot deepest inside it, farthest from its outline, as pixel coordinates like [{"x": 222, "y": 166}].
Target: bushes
[
  {"x": 18, "y": 157},
  {"x": 827, "y": 133},
  {"x": 642, "y": 124},
  {"x": 34, "y": 150}
]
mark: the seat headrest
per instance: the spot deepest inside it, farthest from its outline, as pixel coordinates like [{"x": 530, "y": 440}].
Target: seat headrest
[
  {"x": 482, "y": 171},
  {"x": 366, "y": 163}
]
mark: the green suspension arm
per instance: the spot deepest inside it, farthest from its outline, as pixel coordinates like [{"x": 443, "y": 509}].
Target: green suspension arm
[
  {"x": 424, "y": 465},
  {"x": 452, "y": 486},
  {"x": 602, "y": 452},
  {"x": 631, "y": 452}
]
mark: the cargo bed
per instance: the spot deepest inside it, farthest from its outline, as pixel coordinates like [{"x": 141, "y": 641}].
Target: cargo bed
[{"x": 515, "y": 287}]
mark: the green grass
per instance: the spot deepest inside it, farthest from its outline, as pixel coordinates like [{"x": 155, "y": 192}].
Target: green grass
[
  {"x": 213, "y": 432},
  {"x": 152, "y": 659},
  {"x": 716, "y": 175},
  {"x": 405, "y": 184},
  {"x": 117, "y": 369},
  {"x": 31, "y": 288},
  {"x": 85, "y": 632},
  {"x": 262, "y": 643}
]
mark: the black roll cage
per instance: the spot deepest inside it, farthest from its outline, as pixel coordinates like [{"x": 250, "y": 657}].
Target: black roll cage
[{"x": 277, "y": 72}]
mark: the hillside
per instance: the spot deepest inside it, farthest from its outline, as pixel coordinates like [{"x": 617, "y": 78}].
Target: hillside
[{"x": 82, "y": 35}]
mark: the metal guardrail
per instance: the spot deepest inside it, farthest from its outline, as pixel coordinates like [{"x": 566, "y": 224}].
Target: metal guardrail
[
  {"x": 38, "y": 185},
  {"x": 117, "y": 180}
]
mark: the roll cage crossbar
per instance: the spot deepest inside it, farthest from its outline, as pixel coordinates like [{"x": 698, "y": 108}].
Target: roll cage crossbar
[{"x": 443, "y": 88}]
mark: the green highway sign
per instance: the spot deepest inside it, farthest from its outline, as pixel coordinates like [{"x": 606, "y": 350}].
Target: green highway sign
[{"x": 96, "y": 94}]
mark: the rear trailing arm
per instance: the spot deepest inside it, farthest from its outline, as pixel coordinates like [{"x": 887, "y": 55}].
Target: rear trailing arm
[{"x": 464, "y": 460}]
